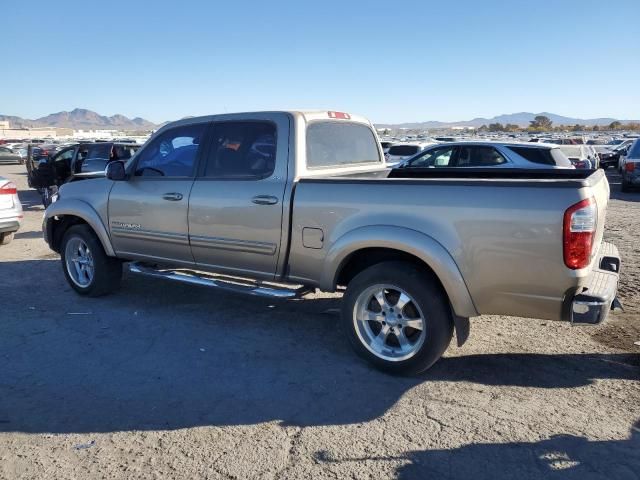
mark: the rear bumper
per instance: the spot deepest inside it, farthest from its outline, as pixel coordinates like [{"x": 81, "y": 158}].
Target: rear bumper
[
  {"x": 592, "y": 303},
  {"x": 9, "y": 225}
]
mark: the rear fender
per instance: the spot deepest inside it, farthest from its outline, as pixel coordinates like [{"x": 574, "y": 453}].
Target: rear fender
[{"x": 408, "y": 241}]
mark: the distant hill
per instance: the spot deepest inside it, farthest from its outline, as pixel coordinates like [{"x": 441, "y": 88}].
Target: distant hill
[
  {"x": 521, "y": 119},
  {"x": 82, "y": 119}
]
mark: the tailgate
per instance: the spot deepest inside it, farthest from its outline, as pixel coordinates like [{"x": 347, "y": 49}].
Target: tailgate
[{"x": 599, "y": 189}]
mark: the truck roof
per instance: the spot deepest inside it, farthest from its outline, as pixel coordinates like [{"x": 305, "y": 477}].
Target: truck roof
[{"x": 306, "y": 115}]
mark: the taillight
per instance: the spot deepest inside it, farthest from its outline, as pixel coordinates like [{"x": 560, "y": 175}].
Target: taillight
[
  {"x": 579, "y": 229},
  {"x": 629, "y": 166},
  {"x": 8, "y": 189}
]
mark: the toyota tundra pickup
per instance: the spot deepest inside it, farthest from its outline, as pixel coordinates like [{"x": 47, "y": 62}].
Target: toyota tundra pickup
[{"x": 283, "y": 203}]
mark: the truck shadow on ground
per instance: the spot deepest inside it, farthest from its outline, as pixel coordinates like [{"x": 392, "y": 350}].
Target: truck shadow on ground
[
  {"x": 159, "y": 355},
  {"x": 565, "y": 457}
]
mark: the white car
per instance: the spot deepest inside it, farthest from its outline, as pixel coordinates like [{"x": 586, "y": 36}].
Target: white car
[
  {"x": 579, "y": 155},
  {"x": 401, "y": 151},
  {"x": 10, "y": 210}
]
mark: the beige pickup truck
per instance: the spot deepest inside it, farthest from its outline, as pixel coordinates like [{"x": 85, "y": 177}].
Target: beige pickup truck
[{"x": 283, "y": 203}]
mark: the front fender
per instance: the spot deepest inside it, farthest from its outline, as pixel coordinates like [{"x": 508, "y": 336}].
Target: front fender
[
  {"x": 80, "y": 209},
  {"x": 408, "y": 241}
]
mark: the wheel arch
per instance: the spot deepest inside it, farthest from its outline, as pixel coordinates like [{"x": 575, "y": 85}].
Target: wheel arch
[
  {"x": 367, "y": 246},
  {"x": 61, "y": 215}
]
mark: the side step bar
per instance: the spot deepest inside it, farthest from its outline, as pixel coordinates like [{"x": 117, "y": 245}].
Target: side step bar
[{"x": 230, "y": 284}]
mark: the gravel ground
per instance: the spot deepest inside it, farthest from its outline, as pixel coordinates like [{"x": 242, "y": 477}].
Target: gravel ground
[{"x": 168, "y": 381}]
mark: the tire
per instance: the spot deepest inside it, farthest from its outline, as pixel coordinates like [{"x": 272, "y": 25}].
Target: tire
[
  {"x": 625, "y": 186},
  {"x": 422, "y": 347},
  {"x": 106, "y": 272},
  {"x": 6, "y": 238}
]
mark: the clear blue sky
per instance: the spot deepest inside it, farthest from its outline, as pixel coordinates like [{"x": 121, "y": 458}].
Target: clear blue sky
[{"x": 391, "y": 61}]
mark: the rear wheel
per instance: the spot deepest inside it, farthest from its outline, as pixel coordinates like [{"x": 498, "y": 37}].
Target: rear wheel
[
  {"x": 625, "y": 186},
  {"x": 397, "y": 317},
  {"x": 5, "y": 238},
  {"x": 86, "y": 266}
]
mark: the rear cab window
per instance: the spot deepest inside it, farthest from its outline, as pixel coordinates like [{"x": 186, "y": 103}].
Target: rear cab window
[
  {"x": 476, "y": 156},
  {"x": 335, "y": 144}
]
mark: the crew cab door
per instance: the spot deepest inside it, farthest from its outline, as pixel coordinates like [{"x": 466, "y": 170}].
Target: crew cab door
[
  {"x": 148, "y": 212},
  {"x": 236, "y": 204}
]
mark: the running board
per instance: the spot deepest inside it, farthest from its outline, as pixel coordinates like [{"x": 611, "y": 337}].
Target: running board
[{"x": 230, "y": 284}]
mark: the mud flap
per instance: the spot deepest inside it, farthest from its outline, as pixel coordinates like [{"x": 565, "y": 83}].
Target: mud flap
[{"x": 463, "y": 328}]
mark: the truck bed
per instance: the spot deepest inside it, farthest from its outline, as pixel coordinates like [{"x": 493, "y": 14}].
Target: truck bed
[{"x": 506, "y": 242}]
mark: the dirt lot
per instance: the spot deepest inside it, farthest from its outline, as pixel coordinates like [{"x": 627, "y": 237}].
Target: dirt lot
[{"x": 168, "y": 381}]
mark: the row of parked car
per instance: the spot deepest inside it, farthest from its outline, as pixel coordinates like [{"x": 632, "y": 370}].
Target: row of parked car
[{"x": 624, "y": 155}]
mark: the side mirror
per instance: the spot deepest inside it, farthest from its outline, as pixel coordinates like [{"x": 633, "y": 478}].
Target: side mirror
[{"x": 115, "y": 171}]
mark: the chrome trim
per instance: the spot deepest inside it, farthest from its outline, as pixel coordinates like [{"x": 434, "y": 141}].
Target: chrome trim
[
  {"x": 245, "y": 246},
  {"x": 233, "y": 285},
  {"x": 151, "y": 235}
]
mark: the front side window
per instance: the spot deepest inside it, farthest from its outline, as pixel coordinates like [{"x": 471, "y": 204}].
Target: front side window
[
  {"x": 333, "y": 144},
  {"x": 436, "y": 157},
  {"x": 173, "y": 153},
  {"x": 474, "y": 156},
  {"x": 242, "y": 150}
]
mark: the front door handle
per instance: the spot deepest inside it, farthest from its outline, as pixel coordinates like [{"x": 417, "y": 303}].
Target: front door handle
[
  {"x": 172, "y": 197},
  {"x": 264, "y": 200}
]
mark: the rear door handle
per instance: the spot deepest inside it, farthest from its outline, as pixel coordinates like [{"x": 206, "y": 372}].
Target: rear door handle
[
  {"x": 264, "y": 200},
  {"x": 172, "y": 197}
]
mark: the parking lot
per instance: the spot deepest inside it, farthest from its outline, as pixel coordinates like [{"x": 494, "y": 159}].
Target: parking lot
[{"x": 164, "y": 380}]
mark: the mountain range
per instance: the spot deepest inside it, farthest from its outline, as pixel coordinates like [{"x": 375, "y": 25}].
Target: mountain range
[
  {"x": 80, "y": 118},
  {"x": 521, "y": 119}
]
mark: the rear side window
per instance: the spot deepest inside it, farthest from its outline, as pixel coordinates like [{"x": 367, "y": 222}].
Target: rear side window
[
  {"x": 242, "y": 150},
  {"x": 543, "y": 156},
  {"x": 340, "y": 143},
  {"x": 403, "y": 150},
  {"x": 473, "y": 156}
]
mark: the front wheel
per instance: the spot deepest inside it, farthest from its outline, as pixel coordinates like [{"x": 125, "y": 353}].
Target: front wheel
[
  {"x": 86, "y": 266},
  {"x": 397, "y": 317}
]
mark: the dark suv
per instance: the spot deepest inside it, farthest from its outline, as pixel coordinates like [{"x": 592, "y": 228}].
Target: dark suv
[{"x": 82, "y": 160}]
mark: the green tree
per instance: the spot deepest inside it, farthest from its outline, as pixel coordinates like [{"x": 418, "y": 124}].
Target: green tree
[
  {"x": 511, "y": 127},
  {"x": 496, "y": 127},
  {"x": 615, "y": 125},
  {"x": 541, "y": 122},
  {"x": 596, "y": 128},
  {"x": 577, "y": 128}
]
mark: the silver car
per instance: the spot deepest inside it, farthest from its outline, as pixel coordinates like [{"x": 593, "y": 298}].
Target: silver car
[
  {"x": 7, "y": 155},
  {"x": 489, "y": 154},
  {"x": 10, "y": 210}
]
